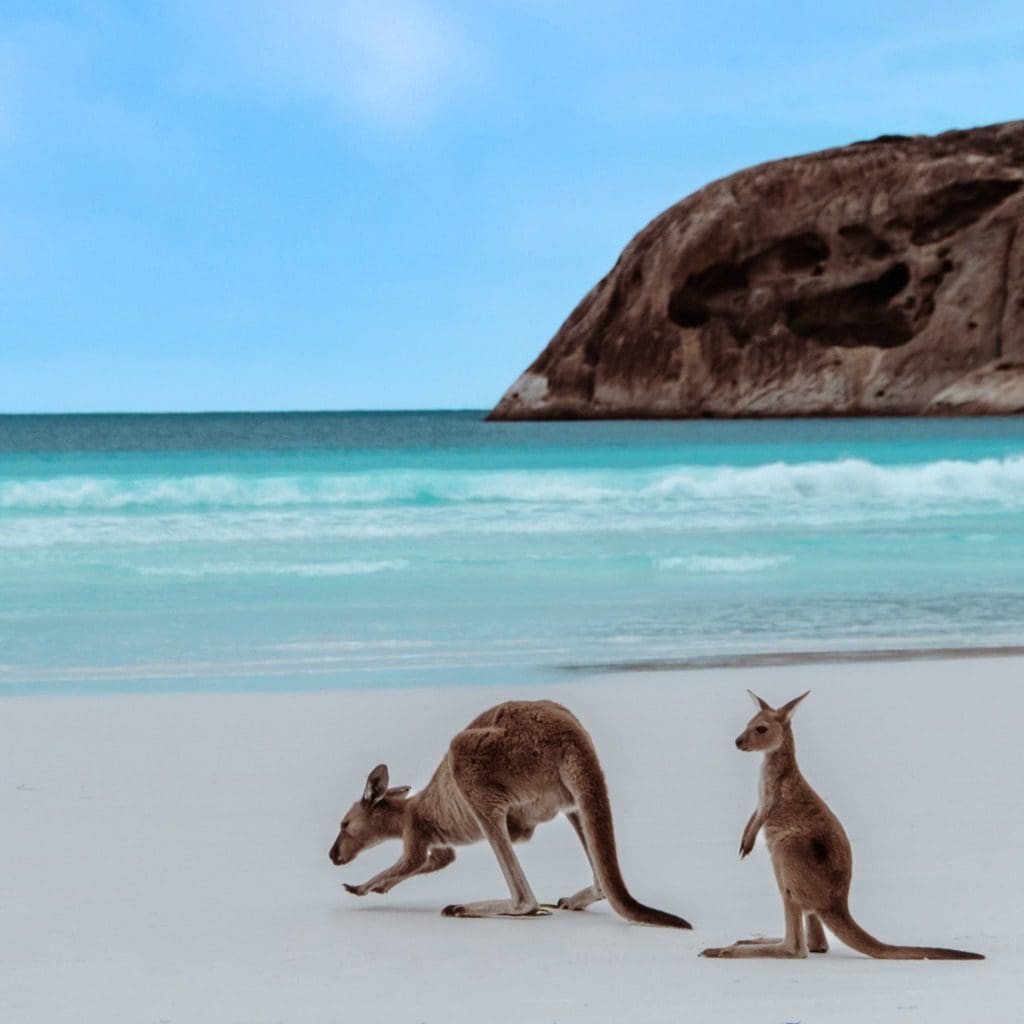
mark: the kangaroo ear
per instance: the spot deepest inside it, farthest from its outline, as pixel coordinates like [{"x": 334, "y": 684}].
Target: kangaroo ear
[
  {"x": 376, "y": 785},
  {"x": 761, "y": 705},
  {"x": 398, "y": 790},
  {"x": 787, "y": 709}
]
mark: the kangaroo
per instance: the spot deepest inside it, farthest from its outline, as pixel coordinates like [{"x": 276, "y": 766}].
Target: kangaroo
[
  {"x": 513, "y": 767},
  {"x": 810, "y": 854}
]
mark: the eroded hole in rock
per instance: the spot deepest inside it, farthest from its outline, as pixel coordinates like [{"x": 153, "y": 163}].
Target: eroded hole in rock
[
  {"x": 886, "y": 287},
  {"x": 937, "y": 275},
  {"x": 718, "y": 278},
  {"x": 860, "y": 240},
  {"x": 614, "y": 304},
  {"x": 687, "y": 309},
  {"x": 954, "y": 207},
  {"x": 858, "y": 315},
  {"x": 802, "y": 251},
  {"x": 797, "y": 252},
  {"x": 694, "y": 303}
]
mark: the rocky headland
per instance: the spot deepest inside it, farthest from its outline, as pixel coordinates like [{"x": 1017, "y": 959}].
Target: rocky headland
[{"x": 883, "y": 278}]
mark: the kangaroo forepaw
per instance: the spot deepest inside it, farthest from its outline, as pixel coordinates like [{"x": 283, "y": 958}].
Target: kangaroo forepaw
[{"x": 582, "y": 899}]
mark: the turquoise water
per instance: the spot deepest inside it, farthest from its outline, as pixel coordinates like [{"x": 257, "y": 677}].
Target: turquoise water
[{"x": 360, "y": 550}]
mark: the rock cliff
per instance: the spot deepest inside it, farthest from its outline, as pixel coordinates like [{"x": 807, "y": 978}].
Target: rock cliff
[{"x": 880, "y": 278}]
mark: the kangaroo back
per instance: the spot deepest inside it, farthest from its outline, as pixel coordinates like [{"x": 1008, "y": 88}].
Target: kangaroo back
[
  {"x": 584, "y": 778},
  {"x": 847, "y": 930}
]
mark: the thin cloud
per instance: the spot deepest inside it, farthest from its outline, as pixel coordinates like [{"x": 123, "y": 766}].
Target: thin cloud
[{"x": 391, "y": 63}]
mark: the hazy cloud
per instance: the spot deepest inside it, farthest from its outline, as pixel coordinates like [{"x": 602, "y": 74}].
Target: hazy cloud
[{"x": 393, "y": 63}]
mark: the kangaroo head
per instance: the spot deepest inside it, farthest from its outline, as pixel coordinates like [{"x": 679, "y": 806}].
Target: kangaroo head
[
  {"x": 767, "y": 729},
  {"x": 376, "y": 816}
]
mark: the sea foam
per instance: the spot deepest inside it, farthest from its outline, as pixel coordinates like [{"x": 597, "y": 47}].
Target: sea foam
[
  {"x": 1000, "y": 480},
  {"x": 711, "y": 564}
]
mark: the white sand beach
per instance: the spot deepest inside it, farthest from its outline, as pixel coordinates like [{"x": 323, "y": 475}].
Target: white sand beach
[{"x": 164, "y": 858}]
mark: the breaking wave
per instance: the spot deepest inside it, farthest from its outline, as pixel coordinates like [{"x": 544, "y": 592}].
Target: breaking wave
[
  {"x": 307, "y": 570},
  {"x": 713, "y": 564},
  {"x": 988, "y": 480}
]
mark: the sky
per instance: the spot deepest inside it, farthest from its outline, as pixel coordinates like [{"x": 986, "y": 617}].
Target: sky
[{"x": 372, "y": 204}]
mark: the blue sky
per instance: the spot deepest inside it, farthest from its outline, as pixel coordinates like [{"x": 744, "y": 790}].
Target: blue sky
[{"x": 328, "y": 204}]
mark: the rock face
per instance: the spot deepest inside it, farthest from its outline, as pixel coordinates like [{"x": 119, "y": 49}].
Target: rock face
[{"x": 882, "y": 278}]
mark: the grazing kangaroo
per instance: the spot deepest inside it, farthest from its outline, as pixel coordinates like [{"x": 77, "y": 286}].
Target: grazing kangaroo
[
  {"x": 810, "y": 854},
  {"x": 510, "y": 769}
]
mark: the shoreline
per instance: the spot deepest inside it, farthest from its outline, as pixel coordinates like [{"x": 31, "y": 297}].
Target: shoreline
[
  {"x": 770, "y": 659},
  {"x": 491, "y": 678}
]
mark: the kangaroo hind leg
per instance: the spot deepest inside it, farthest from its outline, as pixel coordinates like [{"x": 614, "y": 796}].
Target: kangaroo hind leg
[
  {"x": 792, "y": 947},
  {"x": 592, "y": 893},
  {"x": 523, "y": 903},
  {"x": 817, "y": 942}
]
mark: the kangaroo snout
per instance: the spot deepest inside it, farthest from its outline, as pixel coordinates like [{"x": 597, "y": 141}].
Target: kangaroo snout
[{"x": 740, "y": 741}]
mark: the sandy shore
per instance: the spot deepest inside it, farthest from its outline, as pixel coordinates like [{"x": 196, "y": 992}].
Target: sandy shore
[{"x": 164, "y": 858}]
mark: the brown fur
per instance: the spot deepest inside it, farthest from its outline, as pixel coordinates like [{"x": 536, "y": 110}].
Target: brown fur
[
  {"x": 810, "y": 854},
  {"x": 513, "y": 767}
]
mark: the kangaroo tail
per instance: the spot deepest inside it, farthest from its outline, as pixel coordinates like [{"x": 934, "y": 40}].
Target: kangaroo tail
[
  {"x": 848, "y": 931},
  {"x": 587, "y": 784}
]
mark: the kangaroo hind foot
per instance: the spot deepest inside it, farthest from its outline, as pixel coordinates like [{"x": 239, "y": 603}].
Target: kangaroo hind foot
[
  {"x": 750, "y": 948},
  {"x": 494, "y": 824},
  {"x": 493, "y": 908},
  {"x": 817, "y": 942},
  {"x": 792, "y": 947}
]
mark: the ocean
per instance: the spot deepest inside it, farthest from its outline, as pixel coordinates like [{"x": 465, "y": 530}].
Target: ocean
[{"x": 359, "y": 550}]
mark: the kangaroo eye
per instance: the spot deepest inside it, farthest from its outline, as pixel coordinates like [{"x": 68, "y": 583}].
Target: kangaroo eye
[{"x": 762, "y": 728}]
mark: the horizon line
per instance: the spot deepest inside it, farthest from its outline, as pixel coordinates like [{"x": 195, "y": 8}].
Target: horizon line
[{"x": 252, "y": 412}]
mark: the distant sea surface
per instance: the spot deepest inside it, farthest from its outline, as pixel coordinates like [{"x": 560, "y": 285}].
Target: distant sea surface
[{"x": 363, "y": 550}]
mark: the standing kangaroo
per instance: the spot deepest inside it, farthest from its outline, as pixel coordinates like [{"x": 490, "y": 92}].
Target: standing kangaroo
[
  {"x": 810, "y": 854},
  {"x": 510, "y": 769}
]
